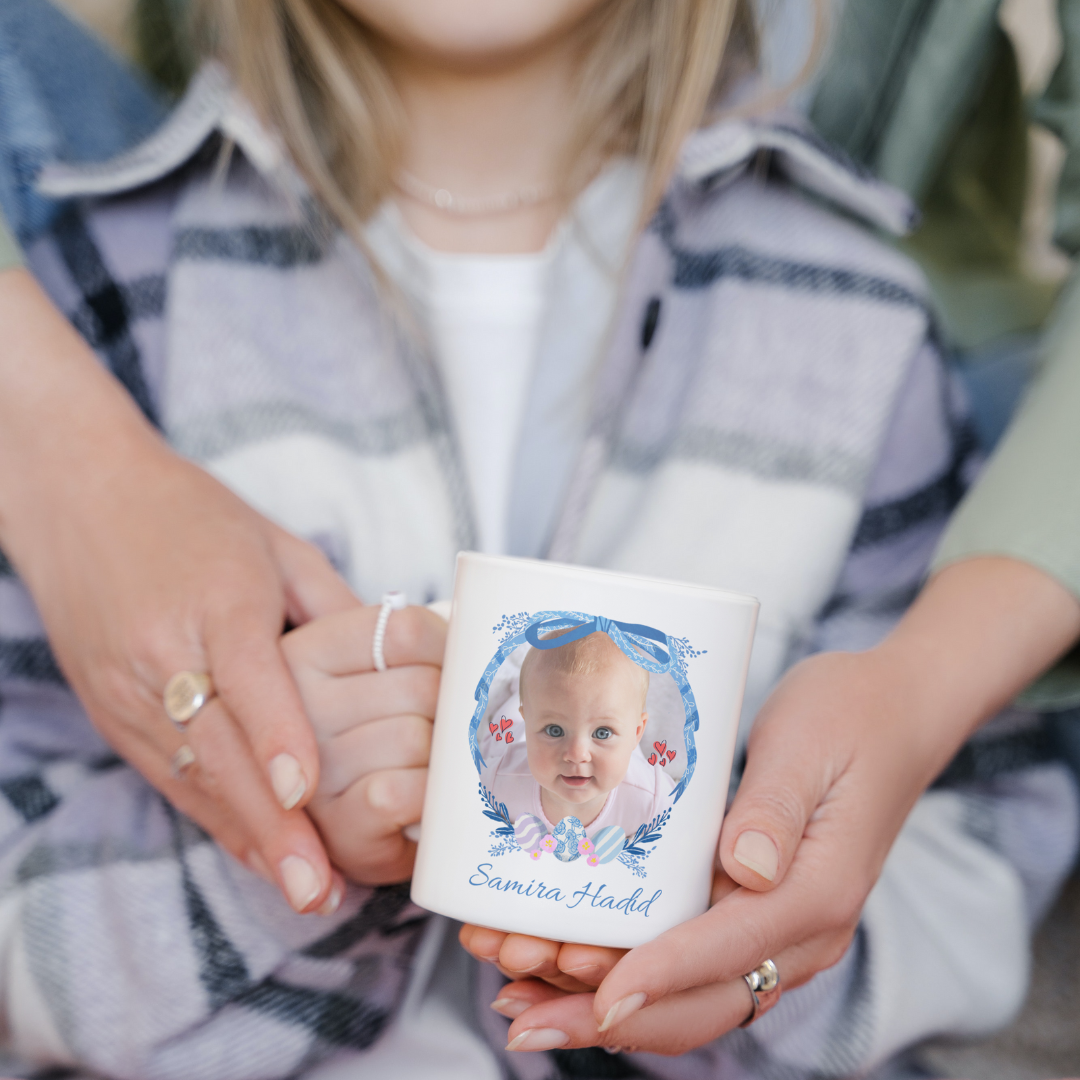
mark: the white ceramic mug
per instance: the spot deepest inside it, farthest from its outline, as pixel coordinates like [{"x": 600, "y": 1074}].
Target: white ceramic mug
[{"x": 583, "y": 800}]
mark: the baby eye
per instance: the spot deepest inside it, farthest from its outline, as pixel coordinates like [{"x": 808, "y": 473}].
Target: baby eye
[
  {"x": 603, "y": 733},
  {"x": 553, "y": 731}
]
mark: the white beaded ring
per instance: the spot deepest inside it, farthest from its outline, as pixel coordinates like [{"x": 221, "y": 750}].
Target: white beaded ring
[{"x": 391, "y": 601}]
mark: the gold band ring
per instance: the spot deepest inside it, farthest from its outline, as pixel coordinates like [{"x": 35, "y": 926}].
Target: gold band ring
[{"x": 181, "y": 761}]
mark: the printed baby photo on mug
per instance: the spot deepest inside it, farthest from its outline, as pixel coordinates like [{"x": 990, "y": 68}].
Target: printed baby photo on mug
[
  {"x": 583, "y": 737},
  {"x": 581, "y": 750}
]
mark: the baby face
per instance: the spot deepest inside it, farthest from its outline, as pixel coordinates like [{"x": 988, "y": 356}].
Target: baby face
[{"x": 580, "y": 731}]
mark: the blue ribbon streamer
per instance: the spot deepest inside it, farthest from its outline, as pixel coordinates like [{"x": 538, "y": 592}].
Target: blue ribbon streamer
[{"x": 631, "y": 638}]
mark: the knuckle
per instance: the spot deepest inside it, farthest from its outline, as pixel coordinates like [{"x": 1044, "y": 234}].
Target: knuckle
[
  {"x": 215, "y": 754},
  {"x": 427, "y": 689},
  {"x": 780, "y": 811},
  {"x": 294, "y": 650},
  {"x": 385, "y": 795},
  {"x": 406, "y": 631},
  {"x": 302, "y": 549},
  {"x": 835, "y": 949},
  {"x": 847, "y": 901},
  {"x": 117, "y": 692},
  {"x": 382, "y": 863},
  {"x": 415, "y": 736},
  {"x": 157, "y": 651},
  {"x": 250, "y": 657},
  {"x": 759, "y": 941}
]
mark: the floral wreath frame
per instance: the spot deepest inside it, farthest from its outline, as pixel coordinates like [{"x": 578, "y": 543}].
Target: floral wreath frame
[{"x": 514, "y": 630}]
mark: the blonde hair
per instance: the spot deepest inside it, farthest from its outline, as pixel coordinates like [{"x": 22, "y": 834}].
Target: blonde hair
[
  {"x": 588, "y": 655},
  {"x": 649, "y": 71}
]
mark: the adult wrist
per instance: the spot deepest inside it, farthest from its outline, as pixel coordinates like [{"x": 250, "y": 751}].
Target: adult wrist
[
  {"x": 64, "y": 420},
  {"x": 979, "y": 633},
  {"x": 931, "y": 726},
  {"x": 63, "y": 463}
]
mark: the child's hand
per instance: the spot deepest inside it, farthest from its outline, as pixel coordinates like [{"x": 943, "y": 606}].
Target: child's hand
[{"x": 373, "y": 731}]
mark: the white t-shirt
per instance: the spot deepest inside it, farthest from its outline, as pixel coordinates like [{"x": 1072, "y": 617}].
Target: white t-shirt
[{"x": 484, "y": 314}]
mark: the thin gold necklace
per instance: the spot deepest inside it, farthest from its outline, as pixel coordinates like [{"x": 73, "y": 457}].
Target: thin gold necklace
[{"x": 484, "y": 205}]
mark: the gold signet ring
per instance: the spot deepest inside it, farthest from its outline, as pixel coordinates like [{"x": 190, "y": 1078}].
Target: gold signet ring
[{"x": 185, "y": 694}]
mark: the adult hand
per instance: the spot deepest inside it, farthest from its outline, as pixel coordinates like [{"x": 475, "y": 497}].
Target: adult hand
[
  {"x": 142, "y": 565},
  {"x": 809, "y": 776},
  {"x": 374, "y": 732},
  {"x": 837, "y": 758}
]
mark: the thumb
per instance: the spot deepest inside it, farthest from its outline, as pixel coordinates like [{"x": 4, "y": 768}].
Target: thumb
[
  {"x": 313, "y": 588},
  {"x": 782, "y": 786}
]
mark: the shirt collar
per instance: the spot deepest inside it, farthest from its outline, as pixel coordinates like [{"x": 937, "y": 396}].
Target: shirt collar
[{"x": 212, "y": 105}]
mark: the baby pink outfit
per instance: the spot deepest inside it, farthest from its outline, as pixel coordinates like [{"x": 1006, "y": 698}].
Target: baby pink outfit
[{"x": 642, "y": 794}]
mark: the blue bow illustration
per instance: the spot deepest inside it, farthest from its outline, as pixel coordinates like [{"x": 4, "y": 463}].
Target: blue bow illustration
[
  {"x": 635, "y": 640},
  {"x": 646, "y": 646}
]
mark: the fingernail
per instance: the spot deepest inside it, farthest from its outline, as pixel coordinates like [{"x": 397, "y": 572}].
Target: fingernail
[
  {"x": 287, "y": 780},
  {"x": 412, "y": 832},
  {"x": 331, "y": 903},
  {"x": 586, "y": 969},
  {"x": 539, "y": 1039},
  {"x": 622, "y": 1009},
  {"x": 300, "y": 881},
  {"x": 757, "y": 852},
  {"x": 511, "y": 1008}
]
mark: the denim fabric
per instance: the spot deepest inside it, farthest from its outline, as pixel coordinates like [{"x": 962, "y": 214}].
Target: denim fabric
[{"x": 63, "y": 97}]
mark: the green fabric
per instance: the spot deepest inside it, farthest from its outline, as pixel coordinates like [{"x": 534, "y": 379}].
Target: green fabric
[
  {"x": 1027, "y": 502},
  {"x": 900, "y": 80},
  {"x": 969, "y": 242},
  {"x": 164, "y": 42},
  {"x": 1059, "y": 110},
  {"x": 10, "y": 255},
  {"x": 926, "y": 94}
]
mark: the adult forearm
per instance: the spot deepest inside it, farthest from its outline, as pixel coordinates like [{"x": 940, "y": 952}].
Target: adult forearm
[
  {"x": 981, "y": 630},
  {"x": 61, "y": 413},
  {"x": 141, "y": 565}
]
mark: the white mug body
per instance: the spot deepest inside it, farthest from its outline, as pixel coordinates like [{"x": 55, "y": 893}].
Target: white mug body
[{"x": 490, "y": 852}]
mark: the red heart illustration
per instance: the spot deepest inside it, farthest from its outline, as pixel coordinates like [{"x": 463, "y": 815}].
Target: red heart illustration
[
  {"x": 493, "y": 727},
  {"x": 509, "y": 736},
  {"x": 671, "y": 755},
  {"x": 506, "y": 722},
  {"x": 652, "y": 759},
  {"x": 661, "y": 747},
  {"x": 498, "y": 738}
]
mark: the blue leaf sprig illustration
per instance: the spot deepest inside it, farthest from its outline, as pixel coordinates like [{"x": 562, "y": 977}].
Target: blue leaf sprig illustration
[
  {"x": 497, "y": 812},
  {"x": 505, "y": 843},
  {"x": 634, "y": 854}
]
